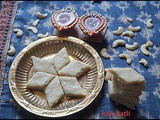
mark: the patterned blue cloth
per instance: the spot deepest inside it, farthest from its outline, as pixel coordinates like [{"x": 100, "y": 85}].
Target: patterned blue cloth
[{"x": 116, "y": 13}]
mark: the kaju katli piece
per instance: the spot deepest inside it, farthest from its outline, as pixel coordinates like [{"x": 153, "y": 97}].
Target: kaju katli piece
[
  {"x": 39, "y": 81},
  {"x": 92, "y": 23},
  {"x": 64, "y": 19}
]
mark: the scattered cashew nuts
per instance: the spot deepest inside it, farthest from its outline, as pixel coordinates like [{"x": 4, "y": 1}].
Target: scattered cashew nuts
[
  {"x": 129, "y": 20},
  {"x": 118, "y": 42},
  {"x": 149, "y": 43},
  {"x": 119, "y": 31},
  {"x": 33, "y": 29},
  {"x": 149, "y": 23},
  {"x": 42, "y": 36},
  {"x": 41, "y": 16},
  {"x": 128, "y": 33},
  {"x": 36, "y": 22},
  {"x": 108, "y": 75},
  {"x": 127, "y": 57},
  {"x": 144, "y": 62},
  {"x": 12, "y": 51},
  {"x": 132, "y": 47},
  {"x": 18, "y": 32},
  {"x": 104, "y": 53},
  {"x": 144, "y": 49},
  {"x": 134, "y": 29}
]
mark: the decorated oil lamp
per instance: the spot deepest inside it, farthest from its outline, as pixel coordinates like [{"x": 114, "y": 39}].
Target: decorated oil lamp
[
  {"x": 92, "y": 23},
  {"x": 64, "y": 19}
]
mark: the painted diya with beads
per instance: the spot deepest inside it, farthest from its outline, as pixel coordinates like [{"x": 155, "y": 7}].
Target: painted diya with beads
[
  {"x": 64, "y": 19},
  {"x": 92, "y": 23}
]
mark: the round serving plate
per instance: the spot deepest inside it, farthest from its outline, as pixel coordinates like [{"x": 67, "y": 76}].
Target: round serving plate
[{"x": 34, "y": 101}]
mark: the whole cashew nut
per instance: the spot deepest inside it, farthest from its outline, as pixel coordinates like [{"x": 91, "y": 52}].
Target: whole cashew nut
[
  {"x": 104, "y": 53},
  {"x": 129, "y": 20},
  {"x": 19, "y": 32},
  {"x": 118, "y": 42},
  {"x": 42, "y": 36},
  {"x": 36, "y": 22},
  {"x": 12, "y": 51},
  {"x": 144, "y": 62},
  {"x": 132, "y": 47},
  {"x": 127, "y": 57},
  {"x": 128, "y": 33},
  {"x": 33, "y": 29},
  {"x": 134, "y": 29},
  {"x": 119, "y": 31},
  {"x": 41, "y": 16},
  {"x": 144, "y": 49},
  {"x": 149, "y": 23}
]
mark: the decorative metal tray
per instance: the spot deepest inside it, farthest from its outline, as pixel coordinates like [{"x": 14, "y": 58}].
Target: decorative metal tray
[{"x": 34, "y": 101}]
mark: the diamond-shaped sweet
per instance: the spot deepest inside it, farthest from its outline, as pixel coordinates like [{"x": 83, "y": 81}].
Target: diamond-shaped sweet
[
  {"x": 44, "y": 65},
  {"x": 39, "y": 80},
  {"x": 72, "y": 87},
  {"x": 74, "y": 69},
  {"x": 128, "y": 76},
  {"x": 61, "y": 59},
  {"x": 54, "y": 92}
]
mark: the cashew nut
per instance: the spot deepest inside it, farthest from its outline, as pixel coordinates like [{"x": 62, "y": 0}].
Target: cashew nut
[
  {"x": 144, "y": 49},
  {"x": 128, "y": 33},
  {"x": 18, "y": 32},
  {"x": 129, "y": 20},
  {"x": 41, "y": 16},
  {"x": 108, "y": 75},
  {"x": 12, "y": 51},
  {"x": 127, "y": 57},
  {"x": 33, "y": 29},
  {"x": 132, "y": 47},
  {"x": 119, "y": 31},
  {"x": 144, "y": 62},
  {"x": 118, "y": 42},
  {"x": 92, "y": 1},
  {"x": 134, "y": 29},
  {"x": 149, "y": 24},
  {"x": 104, "y": 53},
  {"x": 42, "y": 36},
  {"x": 36, "y": 22},
  {"x": 149, "y": 43}
]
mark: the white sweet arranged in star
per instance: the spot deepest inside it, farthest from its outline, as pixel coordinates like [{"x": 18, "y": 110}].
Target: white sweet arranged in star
[{"x": 57, "y": 77}]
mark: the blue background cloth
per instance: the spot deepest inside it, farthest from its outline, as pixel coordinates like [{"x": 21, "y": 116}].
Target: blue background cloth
[{"x": 115, "y": 13}]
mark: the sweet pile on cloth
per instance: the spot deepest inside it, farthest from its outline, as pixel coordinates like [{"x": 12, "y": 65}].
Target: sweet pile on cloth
[{"x": 125, "y": 86}]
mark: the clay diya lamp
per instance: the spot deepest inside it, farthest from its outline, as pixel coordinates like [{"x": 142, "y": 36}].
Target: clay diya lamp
[
  {"x": 92, "y": 23},
  {"x": 64, "y": 19}
]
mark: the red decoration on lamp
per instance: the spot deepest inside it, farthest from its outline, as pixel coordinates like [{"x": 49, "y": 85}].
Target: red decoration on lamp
[{"x": 92, "y": 23}]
